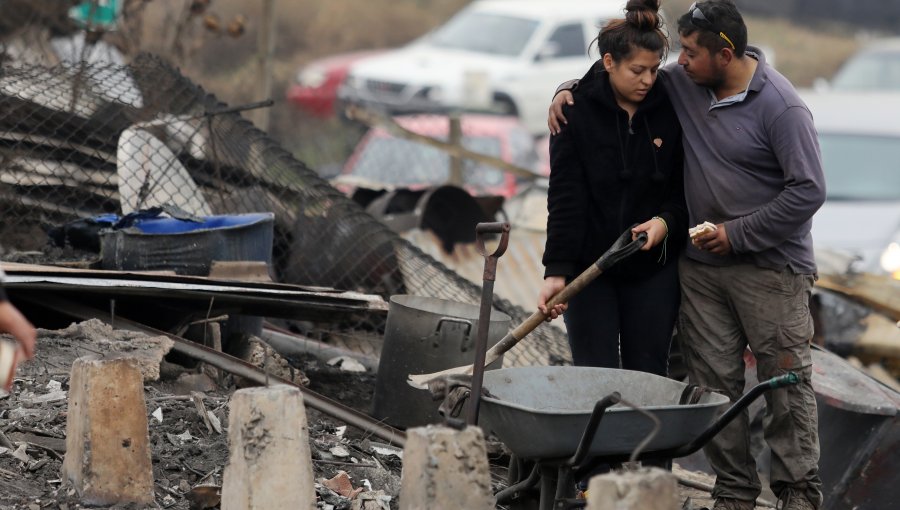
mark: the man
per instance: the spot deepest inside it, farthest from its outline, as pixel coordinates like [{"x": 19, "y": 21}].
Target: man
[
  {"x": 753, "y": 168},
  {"x": 14, "y": 323}
]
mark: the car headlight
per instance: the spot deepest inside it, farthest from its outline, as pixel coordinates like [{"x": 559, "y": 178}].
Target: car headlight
[
  {"x": 890, "y": 259},
  {"x": 312, "y": 77}
]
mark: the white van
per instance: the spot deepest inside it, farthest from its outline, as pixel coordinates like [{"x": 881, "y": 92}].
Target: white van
[
  {"x": 858, "y": 227},
  {"x": 502, "y": 56}
]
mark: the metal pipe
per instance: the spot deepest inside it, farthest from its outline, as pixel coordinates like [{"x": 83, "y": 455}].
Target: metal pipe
[{"x": 292, "y": 344}]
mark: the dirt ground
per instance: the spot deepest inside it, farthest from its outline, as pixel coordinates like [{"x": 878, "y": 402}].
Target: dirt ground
[{"x": 189, "y": 453}]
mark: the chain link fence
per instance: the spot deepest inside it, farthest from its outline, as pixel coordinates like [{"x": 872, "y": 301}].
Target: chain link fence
[{"x": 87, "y": 139}]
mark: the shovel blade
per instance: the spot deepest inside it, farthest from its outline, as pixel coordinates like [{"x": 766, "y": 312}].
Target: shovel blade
[{"x": 420, "y": 381}]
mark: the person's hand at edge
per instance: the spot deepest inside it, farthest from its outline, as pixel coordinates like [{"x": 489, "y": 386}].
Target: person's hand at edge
[
  {"x": 555, "y": 117},
  {"x": 551, "y": 287},
  {"x": 13, "y": 322}
]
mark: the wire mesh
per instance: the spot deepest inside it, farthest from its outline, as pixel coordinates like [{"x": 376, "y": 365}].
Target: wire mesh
[{"x": 85, "y": 139}]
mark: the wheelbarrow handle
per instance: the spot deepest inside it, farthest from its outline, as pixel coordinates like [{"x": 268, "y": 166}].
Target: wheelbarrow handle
[
  {"x": 788, "y": 379},
  {"x": 704, "y": 437},
  {"x": 737, "y": 408},
  {"x": 587, "y": 436}
]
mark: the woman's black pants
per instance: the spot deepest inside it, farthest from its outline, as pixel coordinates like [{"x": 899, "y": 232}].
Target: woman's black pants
[{"x": 625, "y": 324}]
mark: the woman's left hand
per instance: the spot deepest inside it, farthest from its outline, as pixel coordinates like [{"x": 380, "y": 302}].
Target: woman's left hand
[{"x": 656, "y": 231}]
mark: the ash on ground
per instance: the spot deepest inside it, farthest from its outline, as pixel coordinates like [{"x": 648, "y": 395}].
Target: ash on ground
[{"x": 189, "y": 451}]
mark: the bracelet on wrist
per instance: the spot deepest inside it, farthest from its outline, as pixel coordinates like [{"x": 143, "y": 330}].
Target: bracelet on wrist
[
  {"x": 662, "y": 255},
  {"x": 663, "y": 222}
]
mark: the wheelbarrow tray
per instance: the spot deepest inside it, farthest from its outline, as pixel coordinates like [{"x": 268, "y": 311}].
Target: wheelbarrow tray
[{"x": 542, "y": 412}]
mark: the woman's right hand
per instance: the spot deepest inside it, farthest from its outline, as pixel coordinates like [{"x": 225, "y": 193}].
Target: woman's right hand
[
  {"x": 555, "y": 118},
  {"x": 551, "y": 287}
]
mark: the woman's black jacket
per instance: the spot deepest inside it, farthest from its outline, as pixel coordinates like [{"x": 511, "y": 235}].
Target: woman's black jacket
[{"x": 608, "y": 174}]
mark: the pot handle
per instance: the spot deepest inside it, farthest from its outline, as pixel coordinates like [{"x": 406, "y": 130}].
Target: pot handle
[{"x": 466, "y": 342}]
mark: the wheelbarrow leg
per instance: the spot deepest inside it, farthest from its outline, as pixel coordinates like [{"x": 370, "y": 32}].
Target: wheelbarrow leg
[
  {"x": 565, "y": 486},
  {"x": 519, "y": 487},
  {"x": 549, "y": 484},
  {"x": 565, "y": 490}
]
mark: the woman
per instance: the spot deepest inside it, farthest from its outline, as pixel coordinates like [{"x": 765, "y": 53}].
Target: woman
[{"x": 617, "y": 164}]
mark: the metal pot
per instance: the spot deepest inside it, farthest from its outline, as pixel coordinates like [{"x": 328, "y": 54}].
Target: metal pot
[{"x": 424, "y": 335}]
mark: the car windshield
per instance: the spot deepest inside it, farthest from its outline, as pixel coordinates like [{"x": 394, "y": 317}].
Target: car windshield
[
  {"x": 405, "y": 163},
  {"x": 870, "y": 71},
  {"x": 485, "y": 33},
  {"x": 861, "y": 167}
]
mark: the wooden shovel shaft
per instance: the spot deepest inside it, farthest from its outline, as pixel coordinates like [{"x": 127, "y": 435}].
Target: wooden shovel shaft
[
  {"x": 513, "y": 337},
  {"x": 535, "y": 320}
]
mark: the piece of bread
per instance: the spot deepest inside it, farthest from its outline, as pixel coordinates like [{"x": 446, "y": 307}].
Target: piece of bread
[{"x": 701, "y": 229}]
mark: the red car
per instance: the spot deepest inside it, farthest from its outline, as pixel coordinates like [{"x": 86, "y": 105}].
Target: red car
[
  {"x": 316, "y": 84},
  {"x": 380, "y": 160}
]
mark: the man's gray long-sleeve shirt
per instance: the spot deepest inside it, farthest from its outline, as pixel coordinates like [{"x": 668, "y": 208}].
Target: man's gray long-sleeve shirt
[{"x": 752, "y": 163}]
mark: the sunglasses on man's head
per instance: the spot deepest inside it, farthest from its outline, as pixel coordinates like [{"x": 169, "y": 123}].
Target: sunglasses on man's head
[{"x": 699, "y": 20}]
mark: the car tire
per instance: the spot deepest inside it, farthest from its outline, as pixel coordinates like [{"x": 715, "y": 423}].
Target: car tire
[{"x": 504, "y": 105}]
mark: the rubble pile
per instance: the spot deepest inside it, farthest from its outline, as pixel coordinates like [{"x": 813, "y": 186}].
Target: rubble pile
[{"x": 187, "y": 417}]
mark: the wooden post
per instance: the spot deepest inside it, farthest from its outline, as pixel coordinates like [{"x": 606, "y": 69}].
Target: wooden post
[
  {"x": 455, "y": 139},
  {"x": 108, "y": 457}
]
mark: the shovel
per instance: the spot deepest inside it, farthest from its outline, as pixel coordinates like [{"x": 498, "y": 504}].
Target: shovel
[{"x": 622, "y": 248}]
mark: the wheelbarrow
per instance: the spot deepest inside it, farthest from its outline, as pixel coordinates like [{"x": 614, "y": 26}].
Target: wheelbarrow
[{"x": 558, "y": 431}]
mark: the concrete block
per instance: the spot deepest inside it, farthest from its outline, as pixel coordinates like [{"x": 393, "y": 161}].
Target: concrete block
[
  {"x": 107, "y": 442},
  {"x": 645, "y": 489},
  {"x": 445, "y": 468},
  {"x": 269, "y": 464}
]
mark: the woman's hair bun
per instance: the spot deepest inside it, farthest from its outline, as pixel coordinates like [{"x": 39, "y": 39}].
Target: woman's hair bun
[{"x": 643, "y": 14}]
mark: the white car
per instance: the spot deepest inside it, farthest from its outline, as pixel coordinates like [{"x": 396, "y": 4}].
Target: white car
[
  {"x": 860, "y": 221},
  {"x": 502, "y": 56},
  {"x": 876, "y": 67}
]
